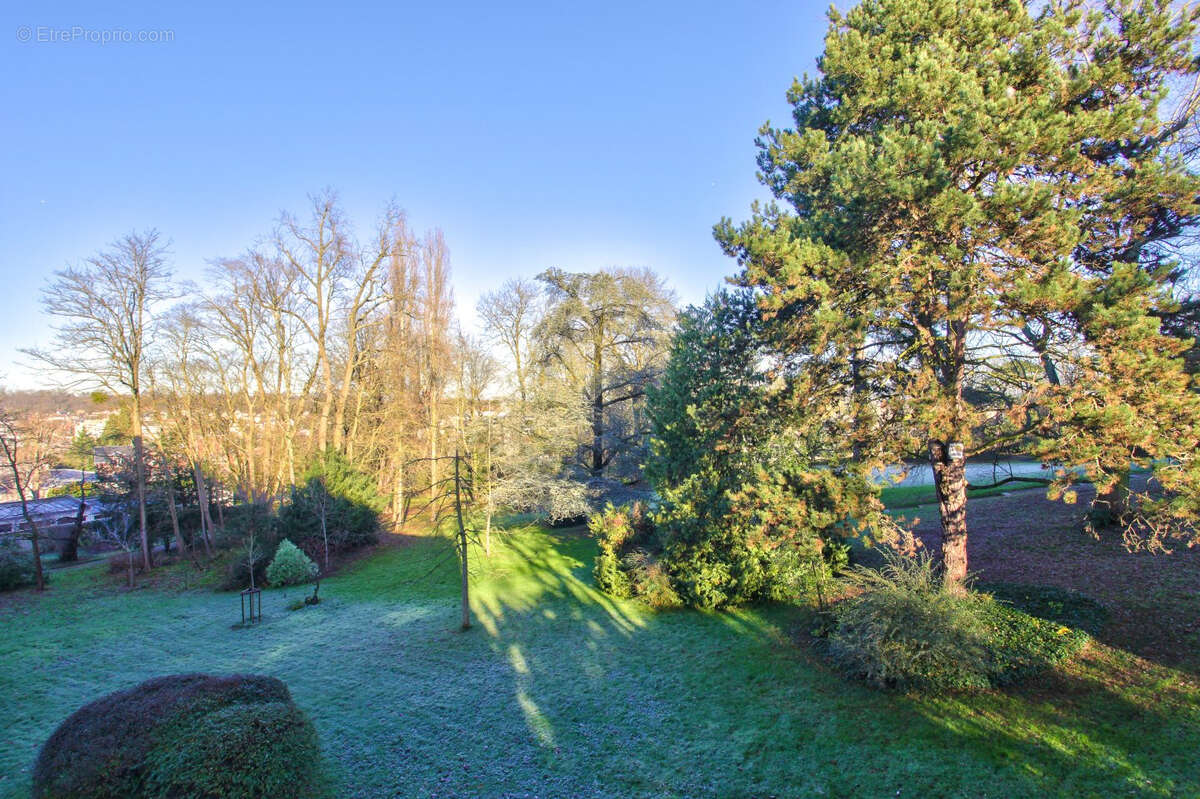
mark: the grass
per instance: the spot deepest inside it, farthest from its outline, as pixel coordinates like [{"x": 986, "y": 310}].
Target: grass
[
  {"x": 561, "y": 691},
  {"x": 913, "y": 496}
]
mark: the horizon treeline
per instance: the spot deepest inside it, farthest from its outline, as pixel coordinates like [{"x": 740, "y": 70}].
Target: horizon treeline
[{"x": 320, "y": 341}]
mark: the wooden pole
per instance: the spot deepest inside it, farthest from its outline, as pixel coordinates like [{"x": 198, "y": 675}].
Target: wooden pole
[{"x": 462, "y": 545}]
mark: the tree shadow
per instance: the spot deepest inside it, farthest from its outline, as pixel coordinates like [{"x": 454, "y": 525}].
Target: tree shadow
[
  {"x": 1153, "y": 599},
  {"x": 617, "y": 700}
]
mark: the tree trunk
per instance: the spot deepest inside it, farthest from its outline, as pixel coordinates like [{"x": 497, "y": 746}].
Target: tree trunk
[
  {"x": 70, "y": 552},
  {"x": 179, "y": 542},
  {"x": 37, "y": 552},
  {"x": 327, "y": 399},
  {"x": 206, "y": 521},
  {"x": 433, "y": 462},
  {"x": 398, "y": 489},
  {"x": 139, "y": 470},
  {"x": 1111, "y": 507},
  {"x": 597, "y": 407},
  {"x": 324, "y": 527},
  {"x": 491, "y": 507},
  {"x": 950, "y": 482},
  {"x": 462, "y": 547}
]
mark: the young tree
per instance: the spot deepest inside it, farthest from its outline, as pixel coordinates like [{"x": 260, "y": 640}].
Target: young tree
[
  {"x": 955, "y": 212},
  {"x": 105, "y": 323},
  {"x": 117, "y": 527},
  {"x": 30, "y": 445},
  {"x": 607, "y": 332}
]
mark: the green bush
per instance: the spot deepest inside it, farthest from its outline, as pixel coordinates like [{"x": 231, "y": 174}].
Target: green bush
[
  {"x": 907, "y": 630},
  {"x": 245, "y": 523},
  {"x": 290, "y": 566},
  {"x": 17, "y": 569},
  {"x": 614, "y": 529},
  {"x": 337, "y": 500},
  {"x": 190, "y": 735},
  {"x": 649, "y": 580},
  {"x": 710, "y": 549}
]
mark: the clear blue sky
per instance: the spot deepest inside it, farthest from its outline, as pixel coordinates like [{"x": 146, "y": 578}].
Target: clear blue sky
[{"x": 534, "y": 134}]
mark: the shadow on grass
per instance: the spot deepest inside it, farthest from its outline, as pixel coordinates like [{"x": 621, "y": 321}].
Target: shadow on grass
[
  {"x": 563, "y": 691},
  {"x": 620, "y": 701}
]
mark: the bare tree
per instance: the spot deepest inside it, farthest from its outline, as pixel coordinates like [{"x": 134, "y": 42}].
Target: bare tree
[
  {"x": 116, "y": 527},
  {"x": 317, "y": 255},
  {"x": 436, "y": 307},
  {"x": 364, "y": 296},
  {"x": 30, "y": 446},
  {"x": 510, "y": 315},
  {"x": 105, "y": 319}
]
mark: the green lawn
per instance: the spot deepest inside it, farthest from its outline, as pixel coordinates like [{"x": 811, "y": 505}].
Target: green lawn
[
  {"x": 562, "y": 692},
  {"x": 916, "y": 495}
]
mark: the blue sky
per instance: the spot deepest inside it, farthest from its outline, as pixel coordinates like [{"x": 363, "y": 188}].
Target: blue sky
[{"x": 534, "y": 134}]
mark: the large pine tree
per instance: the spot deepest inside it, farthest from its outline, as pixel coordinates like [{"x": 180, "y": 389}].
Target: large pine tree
[{"x": 958, "y": 243}]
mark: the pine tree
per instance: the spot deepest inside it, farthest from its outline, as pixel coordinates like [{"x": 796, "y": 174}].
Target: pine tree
[{"x": 960, "y": 265}]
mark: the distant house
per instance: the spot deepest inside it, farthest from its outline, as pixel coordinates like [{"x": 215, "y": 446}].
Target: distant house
[
  {"x": 112, "y": 457},
  {"x": 55, "y": 517},
  {"x": 61, "y": 478}
]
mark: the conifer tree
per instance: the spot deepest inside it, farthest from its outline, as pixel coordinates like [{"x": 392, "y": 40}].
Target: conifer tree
[{"x": 956, "y": 244}]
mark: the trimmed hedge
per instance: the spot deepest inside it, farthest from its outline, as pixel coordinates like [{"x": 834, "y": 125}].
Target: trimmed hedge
[{"x": 188, "y": 735}]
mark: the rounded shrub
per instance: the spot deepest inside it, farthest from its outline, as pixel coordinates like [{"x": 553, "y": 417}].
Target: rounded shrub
[
  {"x": 189, "y": 735},
  {"x": 290, "y": 566},
  {"x": 16, "y": 566},
  {"x": 908, "y": 630}
]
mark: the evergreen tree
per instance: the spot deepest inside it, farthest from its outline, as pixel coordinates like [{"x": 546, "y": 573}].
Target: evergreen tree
[
  {"x": 962, "y": 260},
  {"x": 751, "y": 506}
]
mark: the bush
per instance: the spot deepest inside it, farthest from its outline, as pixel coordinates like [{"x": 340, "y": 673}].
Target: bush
[
  {"x": 344, "y": 496},
  {"x": 616, "y": 530},
  {"x": 649, "y": 581},
  {"x": 17, "y": 569},
  {"x": 909, "y": 631},
  {"x": 290, "y": 566},
  {"x": 699, "y": 551},
  {"x": 190, "y": 735},
  {"x": 242, "y": 523}
]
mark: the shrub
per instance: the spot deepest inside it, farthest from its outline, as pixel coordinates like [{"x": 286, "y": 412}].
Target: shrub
[
  {"x": 615, "y": 530},
  {"x": 336, "y": 499},
  {"x": 907, "y": 630},
  {"x": 290, "y": 566},
  {"x": 250, "y": 522},
  {"x": 649, "y": 580},
  {"x": 16, "y": 566},
  {"x": 185, "y": 735},
  {"x": 707, "y": 548}
]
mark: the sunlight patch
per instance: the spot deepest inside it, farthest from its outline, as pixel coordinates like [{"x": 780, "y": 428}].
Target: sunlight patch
[
  {"x": 539, "y": 725},
  {"x": 517, "y": 659}
]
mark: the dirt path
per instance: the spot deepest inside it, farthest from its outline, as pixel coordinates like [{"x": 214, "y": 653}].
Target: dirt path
[{"x": 1154, "y": 600}]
